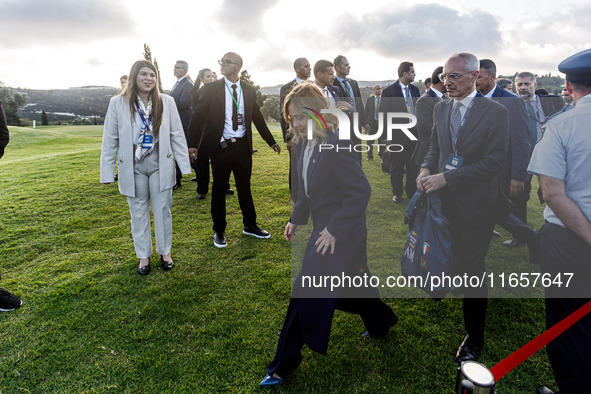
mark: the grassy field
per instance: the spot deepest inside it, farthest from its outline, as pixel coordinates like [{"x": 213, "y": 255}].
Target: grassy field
[{"x": 90, "y": 323}]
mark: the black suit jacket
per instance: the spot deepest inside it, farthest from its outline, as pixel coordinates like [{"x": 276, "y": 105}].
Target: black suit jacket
[
  {"x": 520, "y": 147},
  {"x": 283, "y": 92},
  {"x": 551, "y": 104},
  {"x": 4, "y": 137},
  {"x": 182, "y": 98},
  {"x": 358, "y": 101},
  {"x": 470, "y": 196},
  {"x": 209, "y": 116},
  {"x": 424, "y": 113},
  {"x": 393, "y": 101},
  {"x": 370, "y": 110}
]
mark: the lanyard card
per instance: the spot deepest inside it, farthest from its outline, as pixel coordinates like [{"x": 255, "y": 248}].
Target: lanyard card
[{"x": 454, "y": 162}]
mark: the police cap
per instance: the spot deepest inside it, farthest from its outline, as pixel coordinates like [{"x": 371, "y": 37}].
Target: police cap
[{"x": 577, "y": 67}]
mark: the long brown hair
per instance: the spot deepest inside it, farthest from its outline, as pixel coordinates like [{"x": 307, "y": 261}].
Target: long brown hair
[
  {"x": 309, "y": 96},
  {"x": 131, "y": 91}
]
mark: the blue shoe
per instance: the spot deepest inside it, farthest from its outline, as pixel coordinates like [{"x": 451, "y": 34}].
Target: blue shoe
[
  {"x": 271, "y": 381},
  {"x": 366, "y": 334}
]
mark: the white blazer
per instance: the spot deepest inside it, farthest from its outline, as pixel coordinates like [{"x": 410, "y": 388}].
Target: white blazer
[{"x": 118, "y": 145}]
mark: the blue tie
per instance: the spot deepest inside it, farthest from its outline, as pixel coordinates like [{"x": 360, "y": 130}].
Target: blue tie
[{"x": 409, "y": 103}]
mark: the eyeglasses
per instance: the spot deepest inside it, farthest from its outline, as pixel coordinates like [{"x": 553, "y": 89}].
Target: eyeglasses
[
  {"x": 452, "y": 77},
  {"x": 226, "y": 62}
]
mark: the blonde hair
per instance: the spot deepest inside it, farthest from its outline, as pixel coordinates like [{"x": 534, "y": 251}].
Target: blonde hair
[
  {"x": 130, "y": 92},
  {"x": 308, "y": 95}
]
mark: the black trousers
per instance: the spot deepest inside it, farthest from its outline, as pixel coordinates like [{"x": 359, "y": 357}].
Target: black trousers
[
  {"x": 201, "y": 168},
  {"x": 237, "y": 159},
  {"x": 400, "y": 161},
  {"x": 570, "y": 353},
  {"x": 376, "y": 315}
]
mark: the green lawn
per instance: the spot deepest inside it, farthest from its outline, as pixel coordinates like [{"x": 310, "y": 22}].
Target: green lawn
[{"x": 90, "y": 323}]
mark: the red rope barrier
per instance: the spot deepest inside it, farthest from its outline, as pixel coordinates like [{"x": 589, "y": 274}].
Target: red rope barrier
[{"x": 525, "y": 352}]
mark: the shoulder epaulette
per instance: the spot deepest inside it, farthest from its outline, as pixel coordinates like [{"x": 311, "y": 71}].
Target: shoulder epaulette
[{"x": 563, "y": 110}]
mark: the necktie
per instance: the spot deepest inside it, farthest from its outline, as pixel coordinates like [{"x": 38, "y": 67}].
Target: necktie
[
  {"x": 532, "y": 120},
  {"x": 234, "y": 108},
  {"x": 325, "y": 90},
  {"x": 456, "y": 120},
  {"x": 349, "y": 91},
  {"x": 444, "y": 97},
  {"x": 174, "y": 87},
  {"x": 408, "y": 98},
  {"x": 377, "y": 107}
]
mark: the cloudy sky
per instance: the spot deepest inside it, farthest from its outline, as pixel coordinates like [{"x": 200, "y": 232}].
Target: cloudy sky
[{"x": 48, "y": 44}]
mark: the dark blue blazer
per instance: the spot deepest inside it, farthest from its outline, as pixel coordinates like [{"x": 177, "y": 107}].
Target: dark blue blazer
[
  {"x": 283, "y": 92},
  {"x": 520, "y": 147},
  {"x": 338, "y": 194},
  {"x": 182, "y": 98}
]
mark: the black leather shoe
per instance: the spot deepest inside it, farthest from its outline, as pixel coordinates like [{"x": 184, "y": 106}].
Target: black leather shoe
[
  {"x": 256, "y": 231},
  {"x": 469, "y": 350},
  {"x": 397, "y": 199},
  {"x": 512, "y": 243},
  {"x": 194, "y": 179},
  {"x": 176, "y": 186},
  {"x": 145, "y": 270},
  {"x": 369, "y": 159},
  {"x": 229, "y": 192},
  {"x": 166, "y": 265},
  {"x": 200, "y": 196},
  {"x": 219, "y": 240}
]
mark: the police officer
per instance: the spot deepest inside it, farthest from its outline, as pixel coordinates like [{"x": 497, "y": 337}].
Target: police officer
[{"x": 562, "y": 160}]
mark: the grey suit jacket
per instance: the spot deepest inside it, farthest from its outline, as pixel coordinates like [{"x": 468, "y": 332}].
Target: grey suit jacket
[
  {"x": 118, "y": 145},
  {"x": 482, "y": 142}
]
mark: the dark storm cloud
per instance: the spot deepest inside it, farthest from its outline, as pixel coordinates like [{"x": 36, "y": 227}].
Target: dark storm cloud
[
  {"x": 26, "y": 23},
  {"x": 244, "y": 18},
  {"x": 421, "y": 32}
]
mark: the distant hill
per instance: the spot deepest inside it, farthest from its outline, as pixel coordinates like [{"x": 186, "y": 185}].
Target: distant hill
[{"x": 67, "y": 104}]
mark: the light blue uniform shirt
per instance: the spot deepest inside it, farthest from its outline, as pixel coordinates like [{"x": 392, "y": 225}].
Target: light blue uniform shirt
[{"x": 564, "y": 152}]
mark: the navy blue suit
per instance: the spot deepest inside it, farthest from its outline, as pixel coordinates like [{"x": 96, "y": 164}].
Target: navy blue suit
[
  {"x": 338, "y": 194},
  {"x": 518, "y": 154},
  {"x": 393, "y": 101}
]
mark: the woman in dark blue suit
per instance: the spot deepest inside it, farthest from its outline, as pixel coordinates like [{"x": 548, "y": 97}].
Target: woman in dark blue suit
[{"x": 334, "y": 191}]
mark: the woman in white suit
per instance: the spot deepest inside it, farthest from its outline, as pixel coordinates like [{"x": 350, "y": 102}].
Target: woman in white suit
[{"x": 144, "y": 135}]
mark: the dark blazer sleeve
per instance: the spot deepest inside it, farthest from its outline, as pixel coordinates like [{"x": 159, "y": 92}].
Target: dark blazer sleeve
[
  {"x": 199, "y": 116},
  {"x": 431, "y": 161},
  {"x": 285, "y": 89},
  {"x": 347, "y": 220},
  {"x": 183, "y": 98},
  {"x": 519, "y": 139},
  {"x": 4, "y": 136},
  {"x": 424, "y": 113},
  {"x": 359, "y": 102},
  {"x": 370, "y": 108}
]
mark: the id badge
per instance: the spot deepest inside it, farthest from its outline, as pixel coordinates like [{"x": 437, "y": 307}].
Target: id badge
[
  {"x": 240, "y": 118},
  {"x": 454, "y": 162},
  {"x": 147, "y": 142}
]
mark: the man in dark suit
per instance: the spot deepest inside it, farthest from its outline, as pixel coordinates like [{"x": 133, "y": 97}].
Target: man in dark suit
[
  {"x": 324, "y": 78},
  {"x": 401, "y": 96},
  {"x": 514, "y": 180},
  {"x": 227, "y": 108},
  {"x": 467, "y": 153},
  {"x": 424, "y": 113},
  {"x": 303, "y": 70},
  {"x": 351, "y": 91},
  {"x": 181, "y": 93},
  {"x": 372, "y": 110},
  {"x": 538, "y": 108}
]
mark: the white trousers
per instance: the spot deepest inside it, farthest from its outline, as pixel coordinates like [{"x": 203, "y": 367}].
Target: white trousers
[{"x": 147, "y": 190}]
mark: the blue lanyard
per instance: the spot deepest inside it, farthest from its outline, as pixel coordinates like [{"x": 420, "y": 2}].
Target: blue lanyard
[
  {"x": 139, "y": 110},
  {"x": 461, "y": 123}
]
